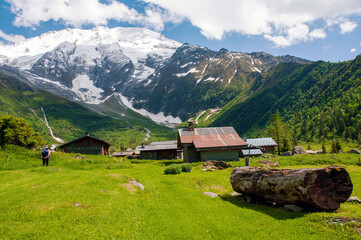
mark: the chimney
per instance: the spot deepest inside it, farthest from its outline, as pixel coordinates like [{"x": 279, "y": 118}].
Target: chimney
[
  {"x": 87, "y": 134},
  {"x": 190, "y": 125}
]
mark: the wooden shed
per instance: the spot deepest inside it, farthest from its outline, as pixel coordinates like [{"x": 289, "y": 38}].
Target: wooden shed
[
  {"x": 203, "y": 144},
  {"x": 86, "y": 145},
  {"x": 159, "y": 150}
]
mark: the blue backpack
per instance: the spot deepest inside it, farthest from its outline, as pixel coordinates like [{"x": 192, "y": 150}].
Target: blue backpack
[{"x": 45, "y": 152}]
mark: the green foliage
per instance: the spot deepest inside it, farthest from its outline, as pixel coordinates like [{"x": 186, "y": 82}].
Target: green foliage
[
  {"x": 323, "y": 148},
  {"x": 186, "y": 167},
  {"x": 17, "y": 131},
  {"x": 336, "y": 146},
  {"x": 319, "y": 101},
  {"x": 173, "y": 169},
  {"x": 278, "y": 130}
]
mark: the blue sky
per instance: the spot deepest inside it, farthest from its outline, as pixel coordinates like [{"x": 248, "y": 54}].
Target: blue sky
[{"x": 312, "y": 29}]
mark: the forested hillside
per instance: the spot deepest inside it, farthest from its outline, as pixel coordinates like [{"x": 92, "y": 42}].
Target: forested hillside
[{"x": 319, "y": 101}]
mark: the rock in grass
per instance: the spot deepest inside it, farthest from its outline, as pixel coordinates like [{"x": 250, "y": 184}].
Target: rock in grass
[
  {"x": 356, "y": 151},
  {"x": 217, "y": 164},
  {"x": 288, "y": 153},
  {"x": 136, "y": 183},
  {"x": 211, "y": 194},
  {"x": 292, "y": 208},
  {"x": 298, "y": 150},
  {"x": 354, "y": 199}
]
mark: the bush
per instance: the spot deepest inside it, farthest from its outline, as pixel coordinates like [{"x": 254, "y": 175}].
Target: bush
[
  {"x": 173, "y": 169},
  {"x": 186, "y": 167}
]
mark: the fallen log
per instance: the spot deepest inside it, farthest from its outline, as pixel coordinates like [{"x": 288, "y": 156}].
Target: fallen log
[{"x": 320, "y": 188}]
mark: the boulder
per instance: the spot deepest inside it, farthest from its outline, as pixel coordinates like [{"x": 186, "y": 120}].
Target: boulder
[
  {"x": 217, "y": 164},
  {"x": 288, "y": 153},
  {"x": 355, "y": 151},
  {"x": 298, "y": 150},
  {"x": 310, "y": 152}
]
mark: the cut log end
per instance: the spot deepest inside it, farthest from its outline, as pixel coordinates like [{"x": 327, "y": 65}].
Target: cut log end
[{"x": 329, "y": 187}]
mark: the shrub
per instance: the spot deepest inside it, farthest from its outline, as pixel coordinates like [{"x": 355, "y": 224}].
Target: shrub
[
  {"x": 173, "y": 169},
  {"x": 186, "y": 167}
]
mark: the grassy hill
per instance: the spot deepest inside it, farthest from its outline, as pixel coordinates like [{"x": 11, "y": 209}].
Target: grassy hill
[
  {"x": 94, "y": 200},
  {"x": 69, "y": 120},
  {"x": 319, "y": 100}
]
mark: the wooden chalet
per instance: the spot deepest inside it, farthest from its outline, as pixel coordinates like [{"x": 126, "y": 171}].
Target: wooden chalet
[
  {"x": 266, "y": 145},
  {"x": 158, "y": 150},
  {"x": 86, "y": 145},
  {"x": 203, "y": 144}
]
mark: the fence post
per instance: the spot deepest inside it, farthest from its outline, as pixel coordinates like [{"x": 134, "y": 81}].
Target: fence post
[
  {"x": 7, "y": 160},
  {"x": 246, "y": 161}
]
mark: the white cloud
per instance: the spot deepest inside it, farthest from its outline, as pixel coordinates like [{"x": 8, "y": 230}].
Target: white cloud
[
  {"x": 11, "y": 38},
  {"x": 81, "y": 12},
  {"x": 280, "y": 21},
  {"x": 347, "y": 27},
  {"x": 284, "y": 22},
  {"x": 318, "y": 33},
  {"x": 353, "y": 50}
]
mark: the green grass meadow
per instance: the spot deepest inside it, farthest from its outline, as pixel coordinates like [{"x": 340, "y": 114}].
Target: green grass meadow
[{"x": 94, "y": 200}]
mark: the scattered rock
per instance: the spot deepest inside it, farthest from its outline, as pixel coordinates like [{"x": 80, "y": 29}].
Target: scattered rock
[
  {"x": 77, "y": 204},
  {"x": 218, "y": 164},
  {"x": 292, "y": 208},
  {"x": 211, "y": 194},
  {"x": 236, "y": 194},
  {"x": 356, "y": 151},
  {"x": 288, "y": 153},
  {"x": 354, "y": 199},
  {"x": 104, "y": 191},
  {"x": 310, "y": 152},
  {"x": 137, "y": 184},
  {"x": 268, "y": 163},
  {"x": 129, "y": 187},
  {"x": 208, "y": 170},
  {"x": 358, "y": 230},
  {"x": 298, "y": 150},
  {"x": 318, "y": 152}
]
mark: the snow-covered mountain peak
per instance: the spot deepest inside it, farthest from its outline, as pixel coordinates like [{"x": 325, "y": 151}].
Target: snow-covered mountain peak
[{"x": 143, "y": 40}]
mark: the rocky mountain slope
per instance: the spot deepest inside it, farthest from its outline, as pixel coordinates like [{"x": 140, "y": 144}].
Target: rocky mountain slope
[{"x": 137, "y": 69}]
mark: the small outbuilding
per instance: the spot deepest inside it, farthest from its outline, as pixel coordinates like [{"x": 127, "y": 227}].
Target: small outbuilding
[
  {"x": 203, "y": 144},
  {"x": 266, "y": 145},
  {"x": 158, "y": 150},
  {"x": 86, "y": 145}
]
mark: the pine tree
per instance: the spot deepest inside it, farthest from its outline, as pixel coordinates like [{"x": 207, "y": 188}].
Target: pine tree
[
  {"x": 323, "y": 148},
  {"x": 277, "y": 129}
]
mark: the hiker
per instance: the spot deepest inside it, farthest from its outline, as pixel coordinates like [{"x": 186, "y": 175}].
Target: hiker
[{"x": 45, "y": 155}]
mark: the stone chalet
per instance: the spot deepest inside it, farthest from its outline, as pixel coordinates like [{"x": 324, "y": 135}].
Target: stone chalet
[{"x": 203, "y": 144}]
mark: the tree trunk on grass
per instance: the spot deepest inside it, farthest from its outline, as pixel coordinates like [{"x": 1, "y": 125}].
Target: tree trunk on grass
[{"x": 321, "y": 188}]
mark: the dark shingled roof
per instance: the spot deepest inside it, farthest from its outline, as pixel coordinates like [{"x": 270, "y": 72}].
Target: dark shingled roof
[
  {"x": 65, "y": 144},
  {"x": 156, "y": 146}
]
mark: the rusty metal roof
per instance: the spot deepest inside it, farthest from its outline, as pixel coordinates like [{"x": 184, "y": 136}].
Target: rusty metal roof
[{"x": 217, "y": 137}]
